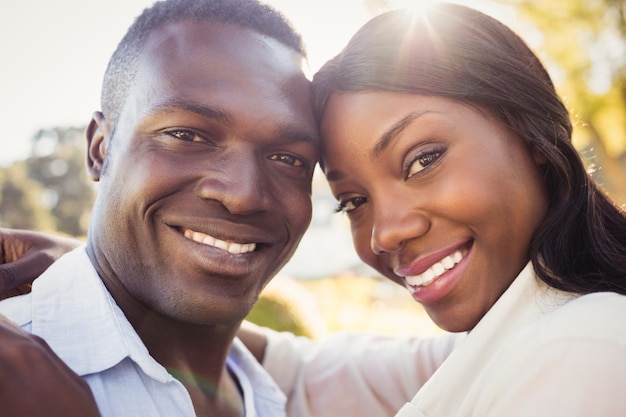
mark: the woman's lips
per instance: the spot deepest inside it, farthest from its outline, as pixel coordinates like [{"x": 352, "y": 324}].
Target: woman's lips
[{"x": 435, "y": 270}]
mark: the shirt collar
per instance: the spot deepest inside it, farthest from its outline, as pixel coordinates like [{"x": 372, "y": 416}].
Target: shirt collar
[
  {"x": 74, "y": 312},
  {"x": 525, "y": 301},
  {"x": 267, "y": 395},
  {"x": 77, "y": 316}
]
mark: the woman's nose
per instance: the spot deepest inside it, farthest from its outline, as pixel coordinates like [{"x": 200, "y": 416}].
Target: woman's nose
[{"x": 395, "y": 224}]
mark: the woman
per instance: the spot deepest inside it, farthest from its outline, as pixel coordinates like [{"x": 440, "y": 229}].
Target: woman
[{"x": 448, "y": 148}]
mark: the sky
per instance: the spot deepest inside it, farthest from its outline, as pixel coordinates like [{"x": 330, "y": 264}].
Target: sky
[{"x": 53, "y": 55}]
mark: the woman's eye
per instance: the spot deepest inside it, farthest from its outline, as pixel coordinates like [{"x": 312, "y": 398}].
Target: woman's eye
[
  {"x": 186, "y": 135},
  {"x": 287, "y": 159},
  {"x": 349, "y": 205},
  {"x": 422, "y": 161}
]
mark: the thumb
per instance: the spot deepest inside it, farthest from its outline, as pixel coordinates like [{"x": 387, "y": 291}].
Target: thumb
[{"x": 16, "y": 277}]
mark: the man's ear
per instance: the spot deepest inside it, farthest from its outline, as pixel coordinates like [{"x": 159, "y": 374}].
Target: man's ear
[{"x": 98, "y": 136}]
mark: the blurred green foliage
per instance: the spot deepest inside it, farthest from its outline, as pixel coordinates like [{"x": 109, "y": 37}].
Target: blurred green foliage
[
  {"x": 20, "y": 200},
  {"x": 50, "y": 190},
  {"x": 583, "y": 44},
  {"x": 278, "y": 313},
  {"x": 344, "y": 302},
  {"x": 286, "y": 305}
]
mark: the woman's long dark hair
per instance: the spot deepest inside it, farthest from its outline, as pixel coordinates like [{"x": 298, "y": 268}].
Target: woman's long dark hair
[{"x": 459, "y": 53}]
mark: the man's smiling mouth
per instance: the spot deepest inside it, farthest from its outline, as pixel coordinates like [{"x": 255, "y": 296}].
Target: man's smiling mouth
[{"x": 230, "y": 247}]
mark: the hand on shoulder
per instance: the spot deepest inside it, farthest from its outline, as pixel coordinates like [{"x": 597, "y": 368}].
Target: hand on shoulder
[{"x": 25, "y": 254}]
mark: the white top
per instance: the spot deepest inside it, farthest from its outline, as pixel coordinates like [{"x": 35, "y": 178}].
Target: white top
[
  {"x": 537, "y": 352},
  {"x": 72, "y": 310}
]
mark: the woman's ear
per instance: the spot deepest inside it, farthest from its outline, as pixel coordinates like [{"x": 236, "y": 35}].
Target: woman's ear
[{"x": 97, "y": 134}]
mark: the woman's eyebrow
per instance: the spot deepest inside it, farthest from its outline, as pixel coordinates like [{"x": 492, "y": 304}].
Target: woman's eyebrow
[{"x": 387, "y": 138}]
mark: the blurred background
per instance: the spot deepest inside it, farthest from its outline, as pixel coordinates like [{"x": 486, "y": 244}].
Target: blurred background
[{"x": 53, "y": 56}]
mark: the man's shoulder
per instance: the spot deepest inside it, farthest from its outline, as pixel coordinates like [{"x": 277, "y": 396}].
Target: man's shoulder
[
  {"x": 18, "y": 309},
  {"x": 48, "y": 288}
]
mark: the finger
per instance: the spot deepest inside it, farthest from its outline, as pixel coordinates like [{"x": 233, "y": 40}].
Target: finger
[
  {"x": 21, "y": 273},
  {"x": 24, "y": 255}
]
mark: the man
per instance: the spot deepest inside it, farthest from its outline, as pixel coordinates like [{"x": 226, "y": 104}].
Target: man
[{"x": 204, "y": 153}]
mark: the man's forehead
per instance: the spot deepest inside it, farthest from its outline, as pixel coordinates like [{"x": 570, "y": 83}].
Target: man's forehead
[
  {"x": 216, "y": 38},
  {"x": 189, "y": 54},
  {"x": 225, "y": 68}
]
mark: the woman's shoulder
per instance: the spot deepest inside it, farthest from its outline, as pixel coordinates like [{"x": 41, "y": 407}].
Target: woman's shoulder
[
  {"x": 578, "y": 347},
  {"x": 601, "y": 309},
  {"x": 568, "y": 337},
  {"x": 599, "y": 317}
]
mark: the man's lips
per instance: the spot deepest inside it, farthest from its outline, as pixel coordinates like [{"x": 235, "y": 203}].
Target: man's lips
[{"x": 228, "y": 246}]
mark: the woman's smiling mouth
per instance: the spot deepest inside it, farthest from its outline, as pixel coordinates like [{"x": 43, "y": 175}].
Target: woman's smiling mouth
[{"x": 435, "y": 270}]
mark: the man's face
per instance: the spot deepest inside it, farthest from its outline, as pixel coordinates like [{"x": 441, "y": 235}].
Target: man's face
[{"x": 207, "y": 188}]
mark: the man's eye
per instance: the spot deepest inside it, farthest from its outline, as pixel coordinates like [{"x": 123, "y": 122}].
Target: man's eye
[
  {"x": 186, "y": 135},
  {"x": 349, "y": 205},
  {"x": 422, "y": 161},
  {"x": 287, "y": 159}
]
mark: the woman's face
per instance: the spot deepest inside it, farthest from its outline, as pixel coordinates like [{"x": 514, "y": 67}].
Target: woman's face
[{"x": 442, "y": 198}]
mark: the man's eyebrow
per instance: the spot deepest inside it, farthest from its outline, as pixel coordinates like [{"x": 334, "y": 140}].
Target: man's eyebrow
[
  {"x": 211, "y": 112},
  {"x": 298, "y": 135},
  {"x": 387, "y": 138},
  {"x": 203, "y": 110}
]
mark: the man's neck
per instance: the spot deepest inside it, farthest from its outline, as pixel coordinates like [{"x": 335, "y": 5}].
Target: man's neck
[{"x": 196, "y": 356}]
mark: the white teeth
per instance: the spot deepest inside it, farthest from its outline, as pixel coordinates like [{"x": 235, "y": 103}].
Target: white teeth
[
  {"x": 447, "y": 262},
  {"x": 435, "y": 271},
  {"x": 438, "y": 269},
  {"x": 230, "y": 247},
  {"x": 207, "y": 240}
]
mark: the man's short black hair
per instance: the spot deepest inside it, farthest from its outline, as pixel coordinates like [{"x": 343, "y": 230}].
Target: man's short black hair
[{"x": 249, "y": 14}]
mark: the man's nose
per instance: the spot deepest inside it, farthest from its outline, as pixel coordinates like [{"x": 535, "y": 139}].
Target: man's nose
[{"x": 239, "y": 182}]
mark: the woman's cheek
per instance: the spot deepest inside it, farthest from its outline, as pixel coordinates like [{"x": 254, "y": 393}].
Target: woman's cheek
[{"x": 362, "y": 246}]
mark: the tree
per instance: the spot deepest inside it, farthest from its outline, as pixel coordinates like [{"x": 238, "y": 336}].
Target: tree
[
  {"x": 49, "y": 190},
  {"x": 57, "y": 162},
  {"x": 583, "y": 43},
  {"x": 21, "y": 201}
]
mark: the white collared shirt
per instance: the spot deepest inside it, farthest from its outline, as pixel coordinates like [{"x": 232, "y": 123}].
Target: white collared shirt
[
  {"x": 72, "y": 310},
  {"x": 538, "y": 352}
]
